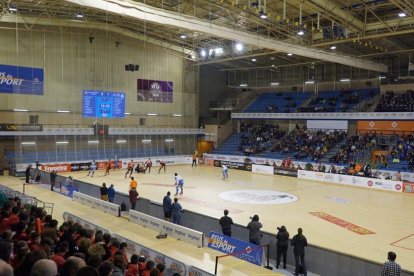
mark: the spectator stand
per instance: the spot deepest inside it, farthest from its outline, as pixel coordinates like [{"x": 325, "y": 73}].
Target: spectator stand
[
  {"x": 282, "y": 102},
  {"x": 172, "y": 265},
  {"x": 26, "y": 200}
]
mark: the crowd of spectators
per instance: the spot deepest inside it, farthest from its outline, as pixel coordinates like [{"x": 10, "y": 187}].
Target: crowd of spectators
[
  {"x": 31, "y": 243},
  {"x": 304, "y": 143},
  {"x": 354, "y": 145},
  {"x": 393, "y": 102},
  {"x": 402, "y": 151},
  {"x": 257, "y": 139}
]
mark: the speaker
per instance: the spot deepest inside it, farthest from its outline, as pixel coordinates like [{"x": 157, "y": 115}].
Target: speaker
[
  {"x": 126, "y": 67},
  {"x": 136, "y": 67},
  {"x": 131, "y": 67}
]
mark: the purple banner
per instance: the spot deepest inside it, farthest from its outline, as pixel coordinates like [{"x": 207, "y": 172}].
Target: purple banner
[{"x": 155, "y": 91}]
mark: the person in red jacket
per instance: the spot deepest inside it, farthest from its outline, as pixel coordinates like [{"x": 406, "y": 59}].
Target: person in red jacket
[
  {"x": 132, "y": 267},
  {"x": 133, "y": 197},
  {"x": 108, "y": 167}
]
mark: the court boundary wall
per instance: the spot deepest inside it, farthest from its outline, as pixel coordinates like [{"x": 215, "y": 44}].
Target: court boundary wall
[{"x": 319, "y": 260}]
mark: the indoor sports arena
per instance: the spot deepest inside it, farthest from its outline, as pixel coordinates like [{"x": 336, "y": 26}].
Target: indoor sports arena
[{"x": 204, "y": 137}]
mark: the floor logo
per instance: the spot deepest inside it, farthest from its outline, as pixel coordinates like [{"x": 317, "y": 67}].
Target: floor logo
[{"x": 258, "y": 197}]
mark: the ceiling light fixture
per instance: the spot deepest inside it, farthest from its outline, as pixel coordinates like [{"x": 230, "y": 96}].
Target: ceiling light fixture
[
  {"x": 121, "y": 141},
  {"x": 290, "y": 54},
  {"x": 203, "y": 53},
  {"x": 333, "y": 47},
  {"x": 79, "y": 15},
  {"x": 169, "y": 140},
  {"x": 183, "y": 36},
  {"x": 274, "y": 84},
  {"x": 253, "y": 59},
  {"x": 345, "y": 80},
  {"x": 146, "y": 140},
  {"x": 310, "y": 82},
  {"x": 402, "y": 14},
  {"x": 243, "y": 84},
  {"x": 28, "y": 143},
  {"x": 301, "y": 32},
  {"x": 13, "y": 8},
  {"x": 63, "y": 111},
  {"x": 152, "y": 114},
  {"x": 239, "y": 47},
  {"x": 62, "y": 142},
  {"x": 20, "y": 110}
]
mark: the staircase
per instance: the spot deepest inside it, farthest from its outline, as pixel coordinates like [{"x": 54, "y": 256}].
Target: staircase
[{"x": 230, "y": 146}]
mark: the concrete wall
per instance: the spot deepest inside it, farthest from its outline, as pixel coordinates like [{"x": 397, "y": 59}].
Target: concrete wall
[{"x": 72, "y": 64}]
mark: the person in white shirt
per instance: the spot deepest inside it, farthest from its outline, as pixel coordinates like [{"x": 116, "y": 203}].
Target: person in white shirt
[{"x": 225, "y": 172}]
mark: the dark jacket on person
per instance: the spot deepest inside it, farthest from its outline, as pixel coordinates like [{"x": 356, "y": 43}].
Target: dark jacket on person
[
  {"x": 226, "y": 223},
  {"x": 133, "y": 196},
  {"x": 282, "y": 238},
  {"x": 166, "y": 203},
  {"x": 254, "y": 230},
  {"x": 299, "y": 243}
]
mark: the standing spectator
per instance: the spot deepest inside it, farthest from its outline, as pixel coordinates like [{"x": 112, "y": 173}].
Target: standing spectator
[
  {"x": 104, "y": 192},
  {"x": 53, "y": 176},
  {"x": 194, "y": 157},
  {"x": 390, "y": 267},
  {"x": 166, "y": 204},
  {"x": 254, "y": 230},
  {"x": 299, "y": 243},
  {"x": 27, "y": 173},
  {"x": 111, "y": 193},
  {"x": 226, "y": 222},
  {"x": 176, "y": 211},
  {"x": 133, "y": 184},
  {"x": 133, "y": 197},
  {"x": 282, "y": 245}
]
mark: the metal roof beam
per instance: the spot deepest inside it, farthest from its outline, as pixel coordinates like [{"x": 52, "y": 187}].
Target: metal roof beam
[{"x": 143, "y": 12}]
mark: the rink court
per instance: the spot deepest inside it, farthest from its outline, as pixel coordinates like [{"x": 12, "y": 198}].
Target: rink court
[{"x": 386, "y": 217}]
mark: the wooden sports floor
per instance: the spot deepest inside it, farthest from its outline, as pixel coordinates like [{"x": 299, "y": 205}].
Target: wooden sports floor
[{"x": 387, "y": 215}]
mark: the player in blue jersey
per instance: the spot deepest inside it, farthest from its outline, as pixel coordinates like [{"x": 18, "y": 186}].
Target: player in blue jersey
[
  {"x": 179, "y": 183},
  {"x": 92, "y": 168},
  {"x": 225, "y": 172}
]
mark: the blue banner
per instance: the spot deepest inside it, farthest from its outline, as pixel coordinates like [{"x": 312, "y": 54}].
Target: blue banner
[
  {"x": 21, "y": 80},
  {"x": 237, "y": 248}
]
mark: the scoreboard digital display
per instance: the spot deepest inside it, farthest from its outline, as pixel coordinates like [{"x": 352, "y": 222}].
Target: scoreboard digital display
[{"x": 103, "y": 104}]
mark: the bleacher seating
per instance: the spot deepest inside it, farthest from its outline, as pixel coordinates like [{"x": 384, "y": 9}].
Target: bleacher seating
[
  {"x": 338, "y": 101},
  {"x": 355, "y": 148},
  {"x": 286, "y": 102},
  {"x": 401, "y": 157},
  {"x": 307, "y": 145},
  {"x": 393, "y": 102}
]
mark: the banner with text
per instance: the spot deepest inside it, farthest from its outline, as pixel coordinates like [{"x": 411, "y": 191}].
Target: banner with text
[
  {"x": 21, "y": 80},
  {"x": 155, "y": 91},
  {"x": 96, "y": 203},
  {"x": 237, "y": 248},
  {"x": 359, "y": 181},
  {"x": 161, "y": 226}
]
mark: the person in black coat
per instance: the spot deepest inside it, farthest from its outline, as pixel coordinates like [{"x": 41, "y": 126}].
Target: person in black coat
[
  {"x": 28, "y": 173},
  {"x": 282, "y": 245},
  {"x": 299, "y": 243},
  {"x": 226, "y": 222}
]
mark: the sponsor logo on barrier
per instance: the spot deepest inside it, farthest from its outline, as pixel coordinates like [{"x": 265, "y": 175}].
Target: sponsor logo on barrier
[
  {"x": 397, "y": 187},
  {"x": 57, "y": 168},
  {"x": 240, "y": 249},
  {"x": 370, "y": 183},
  {"x": 177, "y": 231},
  {"x": 286, "y": 172}
]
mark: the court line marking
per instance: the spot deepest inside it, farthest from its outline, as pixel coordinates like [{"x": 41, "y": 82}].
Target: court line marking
[{"x": 403, "y": 238}]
